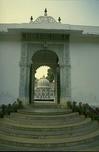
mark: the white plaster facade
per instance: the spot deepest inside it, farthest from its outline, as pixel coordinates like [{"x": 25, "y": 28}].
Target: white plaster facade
[
  {"x": 9, "y": 70},
  {"x": 85, "y": 69},
  {"x": 82, "y": 52}
]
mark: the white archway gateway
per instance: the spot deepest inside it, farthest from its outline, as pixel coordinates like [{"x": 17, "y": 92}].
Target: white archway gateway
[
  {"x": 77, "y": 50},
  {"x": 48, "y": 47},
  {"x": 48, "y": 58}
]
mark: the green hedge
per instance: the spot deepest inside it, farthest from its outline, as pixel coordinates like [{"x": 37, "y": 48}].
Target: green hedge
[{"x": 7, "y": 109}]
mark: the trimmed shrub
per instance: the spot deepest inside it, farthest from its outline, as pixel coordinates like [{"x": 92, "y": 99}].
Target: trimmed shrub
[
  {"x": 19, "y": 104},
  {"x": 4, "y": 108},
  {"x": 80, "y": 108},
  {"x": 69, "y": 104},
  {"x": 14, "y": 107},
  {"x": 1, "y": 114},
  {"x": 74, "y": 106},
  {"x": 9, "y": 109}
]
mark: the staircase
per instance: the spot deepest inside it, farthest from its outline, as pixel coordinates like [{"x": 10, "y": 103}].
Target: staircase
[{"x": 48, "y": 127}]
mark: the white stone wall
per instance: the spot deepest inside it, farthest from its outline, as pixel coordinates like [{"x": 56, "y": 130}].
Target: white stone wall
[
  {"x": 84, "y": 55},
  {"x": 9, "y": 70}
]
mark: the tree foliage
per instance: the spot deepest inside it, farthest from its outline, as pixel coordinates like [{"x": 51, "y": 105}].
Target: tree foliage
[{"x": 50, "y": 75}]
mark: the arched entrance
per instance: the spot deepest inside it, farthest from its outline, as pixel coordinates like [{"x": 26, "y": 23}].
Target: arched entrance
[
  {"x": 42, "y": 58},
  {"x": 50, "y": 50}
]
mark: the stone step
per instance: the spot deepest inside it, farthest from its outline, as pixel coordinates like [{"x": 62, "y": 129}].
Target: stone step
[
  {"x": 44, "y": 116},
  {"x": 92, "y": 145},
  {"x": 34, "y": 119},
  {"x": 67, "y": 132},
  {"x": 57, "y": 119},
  {"x": 76, "y": 129},
  {"x": 45, "y": 122},
  {"x": 27, "y": 142},
  {"x": 48, "y": 127},
  {"x": 44, "y": 105},
  {"x": 44, "y": 111},
  {"x": 42, "y": 125},
  {"x": 16, "y": 148}
]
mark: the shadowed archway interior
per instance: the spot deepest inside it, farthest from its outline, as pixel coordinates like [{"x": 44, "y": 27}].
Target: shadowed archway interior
[{"x": 42, "y": 58}]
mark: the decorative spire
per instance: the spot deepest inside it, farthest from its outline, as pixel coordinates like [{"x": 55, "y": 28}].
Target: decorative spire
[
  {"x": 59, "y": 19},
  {"x": 45, "y": 12},
  {"x": 31, "y": 18}
]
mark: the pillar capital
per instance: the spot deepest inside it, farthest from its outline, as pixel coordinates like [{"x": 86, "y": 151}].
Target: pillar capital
[
  {"x": 65, "y": 66},
  {"x": 62, "y": 65}
]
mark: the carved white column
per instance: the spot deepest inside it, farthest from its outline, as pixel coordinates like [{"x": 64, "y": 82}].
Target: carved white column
[
  {"x": 62, "y": 84},
  {"x": 58, "y": 83},
  {"x": 65, "y": 74},
  {"x": 32, "y": 83},
  {"x": 55, "y": 79},
  {"x": 67, "y": 69},
  {"x": 24, "y": 74},
  {"x": 23, "y": 64}
]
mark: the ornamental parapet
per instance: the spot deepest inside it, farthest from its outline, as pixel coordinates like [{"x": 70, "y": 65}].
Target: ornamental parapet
[{"x": 44, "y": 36}]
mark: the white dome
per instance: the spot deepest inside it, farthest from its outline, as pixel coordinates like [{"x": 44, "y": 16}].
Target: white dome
[
  {"x": 45, "y": 19},
  {"x": 43, "y": 82}
]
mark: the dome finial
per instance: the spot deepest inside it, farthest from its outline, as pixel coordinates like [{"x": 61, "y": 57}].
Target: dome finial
[
  {"x": 59, "y": 19},
  {"x": 45, "y": 12},
  {"x": 31, "y": 18}
]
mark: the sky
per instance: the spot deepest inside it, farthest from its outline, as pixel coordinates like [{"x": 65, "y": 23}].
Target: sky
[
  {"x": 41, "y": 71},
  {"x": 81, "y": 12},
  {"x": 76, "y": 12}
]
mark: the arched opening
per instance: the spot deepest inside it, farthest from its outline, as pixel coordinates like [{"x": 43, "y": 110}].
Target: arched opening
[
  {"x": 44, "y": 85},
  {"x": 44, "y": 58}
]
